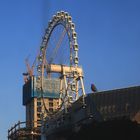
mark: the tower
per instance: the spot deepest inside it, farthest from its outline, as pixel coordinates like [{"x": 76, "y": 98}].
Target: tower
[{"x": 38, "y": 102}]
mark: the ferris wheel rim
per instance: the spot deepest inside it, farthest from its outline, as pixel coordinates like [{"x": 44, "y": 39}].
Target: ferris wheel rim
[
  {"x": 72, "y": 38},
  {"x": 68, "y": 26}
]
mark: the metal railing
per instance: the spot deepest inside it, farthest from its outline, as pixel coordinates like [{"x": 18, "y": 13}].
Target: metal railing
[{"x": 23, "y": 129}]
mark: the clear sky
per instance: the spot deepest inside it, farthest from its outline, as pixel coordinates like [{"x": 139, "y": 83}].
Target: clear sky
[{"x": 108, "y": 37}]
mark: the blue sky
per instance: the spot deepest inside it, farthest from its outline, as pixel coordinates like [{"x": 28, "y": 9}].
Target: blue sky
[{"x": 108, "y": 37}]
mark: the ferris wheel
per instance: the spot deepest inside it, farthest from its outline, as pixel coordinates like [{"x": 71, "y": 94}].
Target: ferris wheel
[{"x": 58, "y": 58}]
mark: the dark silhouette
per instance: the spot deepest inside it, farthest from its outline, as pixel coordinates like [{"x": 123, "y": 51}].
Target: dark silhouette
[{"x": 93, "y": 88}]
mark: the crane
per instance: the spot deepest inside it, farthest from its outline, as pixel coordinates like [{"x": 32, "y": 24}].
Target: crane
[{"x": 30, "y": 69}]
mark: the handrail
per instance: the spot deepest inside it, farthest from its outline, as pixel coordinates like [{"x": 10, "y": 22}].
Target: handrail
[{"x": 21, "y": 125}]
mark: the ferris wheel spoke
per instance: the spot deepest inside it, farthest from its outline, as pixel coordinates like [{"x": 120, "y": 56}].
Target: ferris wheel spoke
[{"x": 57, "y": 45}]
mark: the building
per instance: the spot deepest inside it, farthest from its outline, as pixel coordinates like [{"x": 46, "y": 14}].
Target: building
[{"x": 38, "y": 104}]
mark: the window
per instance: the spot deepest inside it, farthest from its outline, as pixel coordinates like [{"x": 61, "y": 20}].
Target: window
[
  {"x": 38, "y": 103},
  {"x": 51, "y": 109},
  {"x": 38, "y": 109},
  {"x": 50, "y": 104},
  {"x": 38, "y": 116}
]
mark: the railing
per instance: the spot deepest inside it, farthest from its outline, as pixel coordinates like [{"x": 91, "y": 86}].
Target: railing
[{"x": 23, "y": 129}]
